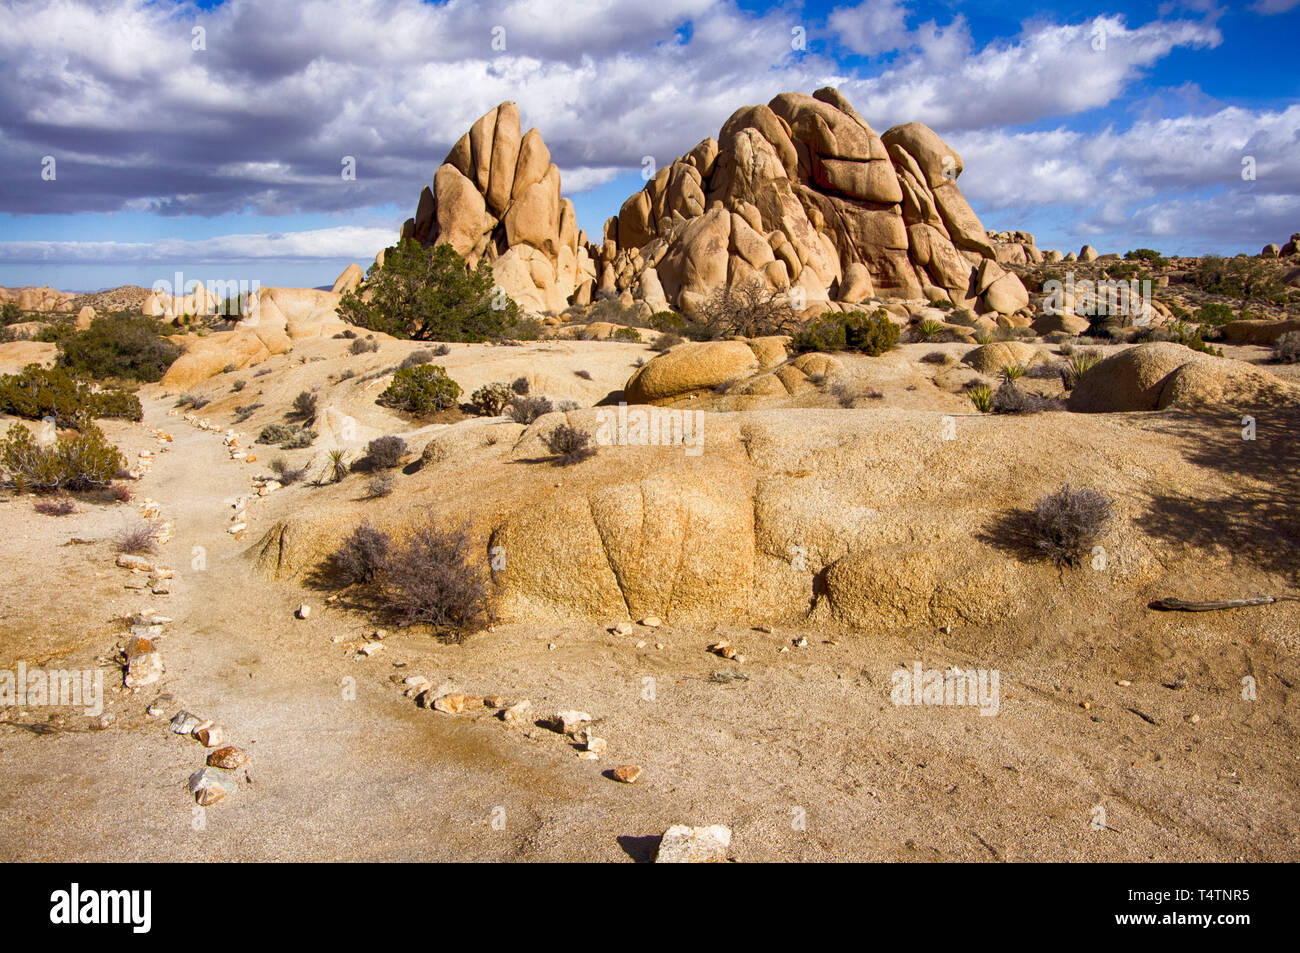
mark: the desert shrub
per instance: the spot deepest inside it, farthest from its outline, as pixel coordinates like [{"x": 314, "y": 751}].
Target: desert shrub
[
  {"x": 441, "y": 350},
  {"x": 981, "y": 397},
  {"x": 872, "y": 334},
  {"x": 432, "y": 579},
  {"x": 942, "y": 305},
  {"x": 244, "y": 412},
  {"x": 524, "y": 410},
  {"x": 286, "y": 474},
  {"x": 1010, "y": 399},
  {"x": 585, "y": 375},
  {"x": 83, "y": 460},
  {"x": 384, "y": 453},
  {"x": 424, "y": 389},
  {"x": 666, "y": 321},
  {"x": 1065, "y": 525},
  {"x": 520, "y": 385},
  {"x": 381, "y": 484},
  {"x": 490, "y": 400},
  {"x": 628, "y": 334},
  {"x": 130, "y": 347},
  {"x": 364, "y": 346},
  {"x": 570, "y": 445},
  {"x": 1013, "y": 372},
  {"x": 63, "y": 507},
  {"x": 745, "y": 309},
  {"x": 10, "y": 314},
  {"x": 362, "y": 556},
  {"x": 1249, "y": 279},
  {"x": 304, "y": 406},
  {"x": 116, "y": 493},
  {"x": 1287, "y": 348},
  {"x": 192, "y": 401},
  {"x": 1214, "y": 314},
  {"x": 433, "y": 295},
  {"x": 140, "y": 538},
  {"x": 1149, "y": 255},
  {"x": 665, "y": 341},
  {"x": 1190, "y": 336},
  {"x": 237, "y": 386},
  {"x": 938, "y": 357},
  {"x": 288, "y": 436},
  {"x": 37, "y": 392},
  {"x": 417, "y": 357},
  {"x": 847, "y": 392}
]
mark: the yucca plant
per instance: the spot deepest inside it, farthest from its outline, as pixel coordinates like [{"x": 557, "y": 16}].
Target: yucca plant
[
  {"x": 929, "y": 329},
  {"x": 337, "y": 468},
  {"x": 1013, "y": 372},
  {"x": 981, "y": 397},
  {"x": 1078, "y": 364},
  {"x": 983, "y": 337}
]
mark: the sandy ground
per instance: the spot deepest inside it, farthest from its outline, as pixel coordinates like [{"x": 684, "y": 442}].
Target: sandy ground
[{"x": 804, "y": 759}]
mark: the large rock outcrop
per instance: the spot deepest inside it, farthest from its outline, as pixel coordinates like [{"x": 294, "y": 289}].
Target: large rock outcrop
[
  {"x": 800, "y": 194},
  {"x": 497, "y": 196}
]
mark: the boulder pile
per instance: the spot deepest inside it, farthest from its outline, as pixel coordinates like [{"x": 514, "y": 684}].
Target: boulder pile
[{"x": 800, "y": 194}]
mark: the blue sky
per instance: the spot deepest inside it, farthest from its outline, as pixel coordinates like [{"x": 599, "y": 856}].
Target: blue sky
[{"x": 218, "y": 153}]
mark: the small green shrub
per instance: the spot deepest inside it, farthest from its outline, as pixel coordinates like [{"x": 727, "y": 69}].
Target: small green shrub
[
  {"x": 490, "y": 400},
  {"x": 288, "y": 436},
  {"x": 628, "y": 334},
  {"x": 981, "y": 397},
  {"x": 1076, "y": 365},
  {"x": 364, "y": 346},
  {"x": 124, "y": 346},
  {"x": 37, "y": 392},
  {"x": 872, "y": 334},
  {"x": 80, "y": 461},
  {"x": 424, "y": 389}
]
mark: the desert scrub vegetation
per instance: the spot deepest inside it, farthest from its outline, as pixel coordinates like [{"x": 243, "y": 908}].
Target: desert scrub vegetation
[
  {"x": 847, "y": 393},
  {"x": 63, "y": 507},
  {"x": 140, "y": 538},
  {"x": 304, "y": 407},
  {"x": 366, "y": 345},
  {"x": 336, "y": 466},
  {"x": 871, "y": 334},
  {"x": 429, "y": 578},
  {"x": 81, "y": 460},
  {"x": 286, "y": 473},
  {"x": 1286, "y": 349},
  {"x": 37, "y": 392},
  {"x": 381, "y": 484},
  {"x": 384, "y": 453},
  {"x": 192, "y": 401},
  {"x": 423, "y": 389},
  {"x": 421, "y": 355},
  {"x": 490, "y": 400},
  {"x": 428, "y": 294},
  {"x": 1010, "y": 399},
  {"x": 666, "y": 341},
  {"x": 287, "y": 436},
  {"x": 1065, "y": 525},
  {"x": 524, "y": 409},
  {"x": 747, "y": 309},
  {"x": 570, "y": 445},
  {"x": 122, "y": 346}
]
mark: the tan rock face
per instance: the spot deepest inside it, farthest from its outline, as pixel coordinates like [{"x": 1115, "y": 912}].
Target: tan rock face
[
  {"x": 797, "y": 193},
  {"x": 690, "y": 367}
]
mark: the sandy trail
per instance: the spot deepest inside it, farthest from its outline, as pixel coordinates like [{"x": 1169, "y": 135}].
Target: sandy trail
[{"x": 807, "y": 759}]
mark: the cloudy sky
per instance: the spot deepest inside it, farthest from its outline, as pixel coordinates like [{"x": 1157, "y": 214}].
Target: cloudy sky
[{"x": 144, "y": 138}]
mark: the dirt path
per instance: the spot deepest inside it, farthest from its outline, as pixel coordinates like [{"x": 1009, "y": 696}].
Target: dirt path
[{"x": 805, "y": 759}]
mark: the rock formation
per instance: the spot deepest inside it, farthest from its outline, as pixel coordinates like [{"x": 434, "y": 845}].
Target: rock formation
[
  {"x": 800, "y": 194},
  {"x": 497, "y": 196}
]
